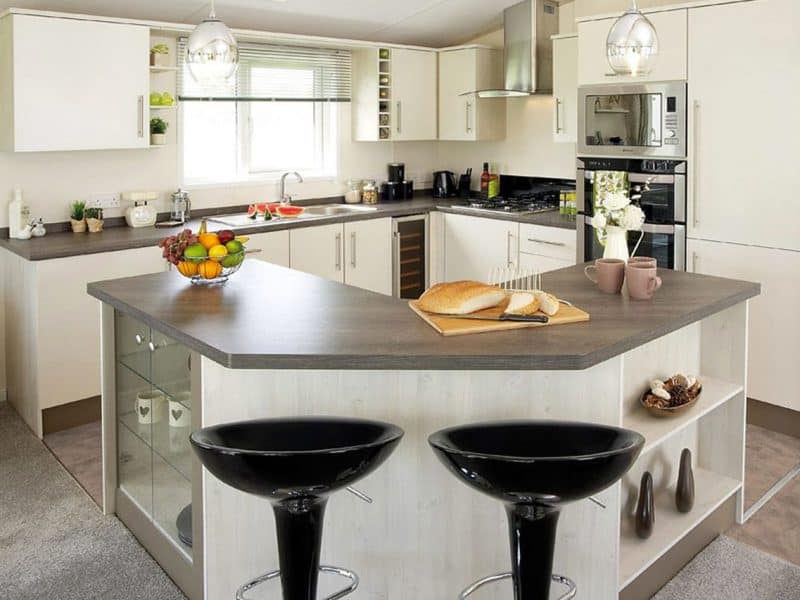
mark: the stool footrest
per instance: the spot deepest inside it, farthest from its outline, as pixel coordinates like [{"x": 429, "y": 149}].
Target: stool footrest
[
  {"x": 572, "y": 589},
  {"x": 323, "y": 569}
]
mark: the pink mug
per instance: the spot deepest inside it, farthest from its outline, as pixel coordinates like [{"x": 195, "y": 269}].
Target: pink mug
[
  {"x": 642, "y": 280},
  {"x": 643, "y": 260},
  {"x": 607, "y": 273}
]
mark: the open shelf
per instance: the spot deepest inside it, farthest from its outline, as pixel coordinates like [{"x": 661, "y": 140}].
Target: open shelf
[
  {"x": 636, "y": 555},
  {"x": 162, "y": 106},
  {"x": 658, "y": 429},
  {"x": 162, "y": 69}
]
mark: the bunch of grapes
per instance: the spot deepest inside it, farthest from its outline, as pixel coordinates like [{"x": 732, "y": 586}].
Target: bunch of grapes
[{"x": 174, "y": 245}]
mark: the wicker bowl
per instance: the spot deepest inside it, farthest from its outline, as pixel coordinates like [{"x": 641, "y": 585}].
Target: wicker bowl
[{"x": 672, "y": 411}]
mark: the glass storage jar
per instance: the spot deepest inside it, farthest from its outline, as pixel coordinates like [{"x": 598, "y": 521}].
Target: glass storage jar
[
  {"x": 353, "y": 193},
  {"x": 369, "y": 193}
]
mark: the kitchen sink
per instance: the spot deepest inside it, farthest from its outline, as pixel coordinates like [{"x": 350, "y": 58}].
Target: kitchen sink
[
  {"x": 328, "y": 210},
  {"x": 319, "y": 210}
]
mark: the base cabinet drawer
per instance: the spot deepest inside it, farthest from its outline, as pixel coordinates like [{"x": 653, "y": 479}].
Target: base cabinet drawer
[
  {"x": 552, "y": 242},
  {"x": 542, "y": 264}
]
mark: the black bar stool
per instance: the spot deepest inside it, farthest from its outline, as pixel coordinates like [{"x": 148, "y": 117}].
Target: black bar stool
[
  {"x": 296, "y": 464},
  {"x": 534, "y": 468}
]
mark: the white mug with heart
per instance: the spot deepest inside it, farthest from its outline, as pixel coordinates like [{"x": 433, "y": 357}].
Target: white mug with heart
[
  {"x": 179, "y": 414},
  {"x": 149, "y": 407}
]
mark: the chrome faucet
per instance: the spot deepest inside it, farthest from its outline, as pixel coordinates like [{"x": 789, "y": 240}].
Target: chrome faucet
[{"x": 286, "y": 198}]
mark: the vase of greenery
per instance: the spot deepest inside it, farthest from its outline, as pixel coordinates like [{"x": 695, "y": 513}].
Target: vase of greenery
[
  {"x": 94, "y": 219},
  {"x": 159, "y": 55},
  {"x": 158, "y": 131},
  {"x": 77, "y": 218}
]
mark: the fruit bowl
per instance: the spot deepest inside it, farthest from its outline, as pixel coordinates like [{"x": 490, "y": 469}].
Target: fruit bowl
[{"x": 211, "y": 270}]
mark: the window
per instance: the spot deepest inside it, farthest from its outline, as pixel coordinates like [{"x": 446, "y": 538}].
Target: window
[{"x": 279, "y": 115}]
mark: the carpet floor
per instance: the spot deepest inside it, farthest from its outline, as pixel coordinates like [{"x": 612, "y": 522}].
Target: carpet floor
[
  {"x": 54, "y": 541},
  {"x": 728, "y": 570}
]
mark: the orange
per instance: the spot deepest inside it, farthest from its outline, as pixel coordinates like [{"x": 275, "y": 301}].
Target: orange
[
  {"x": 187, "y": 268},
  {"x": 208, "y": 240},
  {"x": 210, "y": 269},
  {"x": 217, "y": 251}
]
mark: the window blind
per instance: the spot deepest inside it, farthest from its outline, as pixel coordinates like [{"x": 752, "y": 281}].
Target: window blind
[{"x": 275, "y": 73}]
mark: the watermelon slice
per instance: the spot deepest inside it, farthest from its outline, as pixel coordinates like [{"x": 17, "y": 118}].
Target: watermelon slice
[
  {"x": 290, "y": 211},
  {"x": 252, "y": 211}
]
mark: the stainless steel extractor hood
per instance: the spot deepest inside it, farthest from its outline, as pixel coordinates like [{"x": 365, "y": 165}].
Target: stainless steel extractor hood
[{"x": 528, "y": 63}]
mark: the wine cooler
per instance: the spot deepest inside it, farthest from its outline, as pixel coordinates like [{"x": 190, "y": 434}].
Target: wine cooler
[{"x": 410, "y": 256}]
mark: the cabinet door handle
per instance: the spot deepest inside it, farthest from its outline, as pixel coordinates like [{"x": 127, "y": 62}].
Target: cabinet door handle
[
  {"x": 508, "y": 249},
  {"x": 549, "y": 243},
  {"x": 611, "y": 75},
  {"x": 696, "y": 162},
  {"x": 559, "y": 129},
  {"x": 152, "y": 346},
  {"x": 353, "y": 249},
  {"x": 694, "y": 262},
  {"x": 139, "y": 339},
  {"x": 469, "y": 118},
  {"x": 140, "y": 106},
  {"x": 399, "y": 116},
  {"x": 338, "y": 251}
]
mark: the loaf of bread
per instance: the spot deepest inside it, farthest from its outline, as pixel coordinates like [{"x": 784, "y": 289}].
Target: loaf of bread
[
  {"x": 523, "y": 304},
  {"x": 460, "y": 298},
  {"x": 548, "y": 303}
]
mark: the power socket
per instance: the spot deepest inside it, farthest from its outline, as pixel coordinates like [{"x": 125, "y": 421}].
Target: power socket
[{"x": 103, "y": 201}]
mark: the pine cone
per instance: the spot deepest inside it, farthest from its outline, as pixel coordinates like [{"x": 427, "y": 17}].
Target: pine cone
[{"x": 679, "y": 393}]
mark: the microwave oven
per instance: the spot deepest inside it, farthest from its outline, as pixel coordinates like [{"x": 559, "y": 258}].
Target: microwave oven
[{"x": 632, "y": 120}]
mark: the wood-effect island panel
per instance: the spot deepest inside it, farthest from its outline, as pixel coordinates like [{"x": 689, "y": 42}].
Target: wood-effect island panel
[{"x": 270, "y": 317}]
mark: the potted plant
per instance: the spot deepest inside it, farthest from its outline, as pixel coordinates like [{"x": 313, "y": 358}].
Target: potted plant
[
  {"x": 94, "y": 219},
  {"x": 159, "y": 55},
  {"x": 158, "y": 131},
  {"x": 77, "y": 217}
]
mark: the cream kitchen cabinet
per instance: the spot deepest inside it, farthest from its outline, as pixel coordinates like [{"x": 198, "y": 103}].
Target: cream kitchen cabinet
[
  {"x": 774, "y": 340},
  {"x": 273, "y": 246},
  {"x": 546, "y": 248},
  {"x": 593, "y": 67},
  {"x": 69, "y": 84},
  {"x": 358, "y": 253},
  {"x": 469, "y": 118},
  {"x": 473, "y": 246},
  {"x": 742, "y": 137},
  {"x": 53, "y": 329},
  {"x": 565, "y": 88},
  {"x": 413, "y": 90}
]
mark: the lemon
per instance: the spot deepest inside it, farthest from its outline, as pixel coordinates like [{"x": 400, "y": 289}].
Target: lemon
[
  {"x": 217, "y": 251},
  {"x": 242, "y": 239}
]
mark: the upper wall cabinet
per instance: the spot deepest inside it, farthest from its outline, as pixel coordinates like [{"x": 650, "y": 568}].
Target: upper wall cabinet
[
  {"x": 670, "y": 65},
  {"x": 394, "y": 94},
  {"x": 467, "y": 117},
  {"x": 565, "y": 88},
  {"x": 67, "y": 84}
]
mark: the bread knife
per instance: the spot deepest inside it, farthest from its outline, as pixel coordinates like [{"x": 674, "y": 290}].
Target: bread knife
[{"x": 503, "y": 317}]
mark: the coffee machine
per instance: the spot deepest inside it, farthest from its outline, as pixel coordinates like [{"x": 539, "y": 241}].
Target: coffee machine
[{"x": 397, "y": 187}]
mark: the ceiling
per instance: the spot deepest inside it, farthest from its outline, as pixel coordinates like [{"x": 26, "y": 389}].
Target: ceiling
[{"x": 434, "y": 23}]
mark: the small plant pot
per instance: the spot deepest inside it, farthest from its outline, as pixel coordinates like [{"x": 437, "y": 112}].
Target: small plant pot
[
  {"x": 94, "y": 225},
  {"x": 158, "y": 139},
  {"x": 158, "y": 59},
  {"x": 78, "y": 226}
]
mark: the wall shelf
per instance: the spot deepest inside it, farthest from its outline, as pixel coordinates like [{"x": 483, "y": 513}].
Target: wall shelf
[
  {"x": 657, "y": 430},
  {"x": 162, "y": 106},
  {"x": 163, "y": 69},
  {"x": 636, "y": 555}
]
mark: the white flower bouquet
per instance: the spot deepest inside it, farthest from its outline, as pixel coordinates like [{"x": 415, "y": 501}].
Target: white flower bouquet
[{"x": 613, "y": 205}]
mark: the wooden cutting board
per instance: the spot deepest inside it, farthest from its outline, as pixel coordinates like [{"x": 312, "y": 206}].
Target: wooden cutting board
[{"x": 448, "y": 326}]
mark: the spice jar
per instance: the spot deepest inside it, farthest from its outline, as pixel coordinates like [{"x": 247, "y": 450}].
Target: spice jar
[
  {"x": 369, "y": 193},
  {"x": 353, "y": 193}
]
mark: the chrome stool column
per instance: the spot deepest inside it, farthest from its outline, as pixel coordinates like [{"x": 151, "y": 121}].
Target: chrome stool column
[
  {"x": 297, "y": 464},
  {"x": 534, "y": 468}
]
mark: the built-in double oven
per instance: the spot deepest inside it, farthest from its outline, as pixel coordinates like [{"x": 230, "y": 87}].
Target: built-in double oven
[{"x": 635, "y": 133}]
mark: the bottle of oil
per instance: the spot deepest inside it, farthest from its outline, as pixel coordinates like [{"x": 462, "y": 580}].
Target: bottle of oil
[{"x": 485, "y": 178}]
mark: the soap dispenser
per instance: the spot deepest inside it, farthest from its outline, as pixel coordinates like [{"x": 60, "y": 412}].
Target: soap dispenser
[{"x": 19, "y": 216}]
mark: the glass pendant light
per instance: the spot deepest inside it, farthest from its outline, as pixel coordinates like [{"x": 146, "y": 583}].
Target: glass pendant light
[
  {"x": 212, "y": 53},
  {"x": 632, "y": 44}
]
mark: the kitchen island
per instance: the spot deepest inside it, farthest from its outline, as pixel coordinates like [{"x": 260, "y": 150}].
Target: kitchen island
[{"x": 276, "y": 342}]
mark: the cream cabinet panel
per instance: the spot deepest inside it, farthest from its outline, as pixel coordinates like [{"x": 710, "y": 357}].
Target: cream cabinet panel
[
  {"x": 542, "y": 264},
  {"x": 473, "y": 246},
  {"x": 414, "y": 85},
  {"x": 670, "y": 65},
  {"x": 274, "y": 247},
  {"x": 774, "y": 343},
  {"x": 565, "y": 89},
  {"x": 73, "y": 85},
  {"x": 742, "y": 135},
  {"x": 318, "y": 250},
  {"x": 469, "y": 118},
  {"x": 553, "y": 242},
  {"x": 368, "y": 255}
]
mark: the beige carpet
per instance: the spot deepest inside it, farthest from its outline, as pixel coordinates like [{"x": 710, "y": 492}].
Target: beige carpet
[{"x": 55, "y": 543}]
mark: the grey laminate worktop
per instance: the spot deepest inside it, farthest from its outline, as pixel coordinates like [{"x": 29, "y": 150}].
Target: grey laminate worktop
[
  {"x": 270, "y": 317},
  {"x": 65, "y": 244}
]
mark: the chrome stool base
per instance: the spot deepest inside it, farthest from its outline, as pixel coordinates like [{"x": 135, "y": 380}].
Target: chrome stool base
[
  {"x": 570, "y": 593},
  {"x": 334, "y": 570}
]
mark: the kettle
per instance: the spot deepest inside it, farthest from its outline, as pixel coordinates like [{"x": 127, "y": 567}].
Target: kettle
[{"x": 444, "y": 184}]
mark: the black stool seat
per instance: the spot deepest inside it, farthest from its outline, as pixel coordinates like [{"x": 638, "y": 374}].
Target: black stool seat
[
  {"x": 535, "y": 467},
  {"x": 296, "y": 463}
]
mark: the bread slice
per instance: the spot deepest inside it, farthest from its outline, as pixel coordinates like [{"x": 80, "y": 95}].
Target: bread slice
[
  {"x": 548, "y": 303},
  {"x": 523, "y": 304},
  {"x": 460, "y": 298}
]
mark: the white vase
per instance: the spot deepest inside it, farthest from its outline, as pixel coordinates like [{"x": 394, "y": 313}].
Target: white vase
[{"x": 616, "y": 243}]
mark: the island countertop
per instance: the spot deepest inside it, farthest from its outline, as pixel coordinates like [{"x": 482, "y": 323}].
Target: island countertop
[{"x": 271, "y": 317}]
